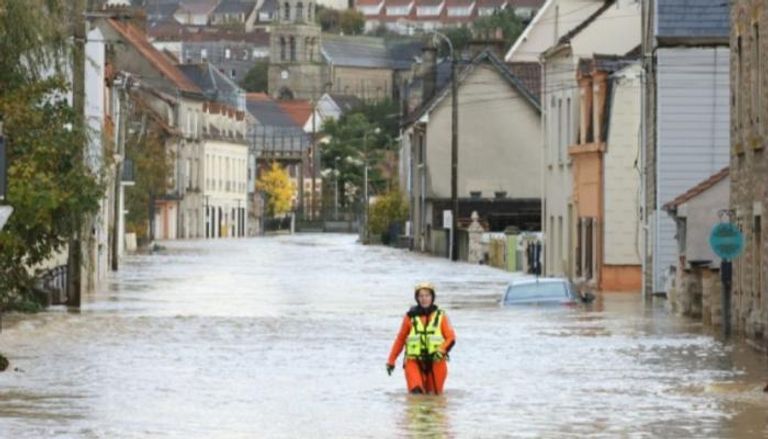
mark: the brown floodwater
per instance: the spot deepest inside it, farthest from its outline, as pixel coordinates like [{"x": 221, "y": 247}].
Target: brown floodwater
[{"x": 288, "y": 336}]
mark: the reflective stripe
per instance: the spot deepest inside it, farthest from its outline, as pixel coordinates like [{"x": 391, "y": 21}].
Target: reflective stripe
[{"x": 425, "y": 340}]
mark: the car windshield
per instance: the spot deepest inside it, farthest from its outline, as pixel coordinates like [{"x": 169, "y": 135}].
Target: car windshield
[{"x": 536, "y": 291}]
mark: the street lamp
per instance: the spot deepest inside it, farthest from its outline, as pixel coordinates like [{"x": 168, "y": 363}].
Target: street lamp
[
  {"x": 454, "y": 254},
  {"x": 376, "y": 131}
]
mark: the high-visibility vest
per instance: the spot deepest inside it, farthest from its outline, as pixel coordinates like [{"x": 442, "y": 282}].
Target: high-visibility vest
[{"x": 425, "y": 340}]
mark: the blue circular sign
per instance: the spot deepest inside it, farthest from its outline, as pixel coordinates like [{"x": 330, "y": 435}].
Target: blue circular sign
[{"x": 726, "y": 240}]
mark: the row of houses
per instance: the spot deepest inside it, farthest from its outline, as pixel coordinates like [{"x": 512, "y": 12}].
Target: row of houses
[
  {"x": 630, "y": 110},
  {"x": 215, "y": 135},
  {"x": 413, "y": 16},
  {"x": 636, "y": 126}
]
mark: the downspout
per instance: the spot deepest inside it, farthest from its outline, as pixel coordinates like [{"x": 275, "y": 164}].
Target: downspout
[{"x": 543, "y": 167}]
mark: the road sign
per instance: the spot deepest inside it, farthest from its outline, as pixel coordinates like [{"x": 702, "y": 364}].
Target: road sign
[
  {"x": 5, "y": 213},
  {"x": 726, "y": 240},
  {"x": 447, "y": 219}
]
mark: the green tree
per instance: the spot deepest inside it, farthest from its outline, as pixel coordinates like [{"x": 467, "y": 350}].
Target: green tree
[
  {"x": 153, "y": 167},
  {"x": 50, "y": 187},
  {"x": 278, "y": 189},
  {"x": 257, "y": 79},
  {"x": 328, "y": 19},
  {"x": 352, "y": 22},
  {"x": 506, "y": 20},
  {"x": 460, "y": 38},
  {"x": 389, "y": 208}
]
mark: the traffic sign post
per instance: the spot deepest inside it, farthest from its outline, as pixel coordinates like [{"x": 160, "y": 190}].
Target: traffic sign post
[{"x": 727, "y": 242}]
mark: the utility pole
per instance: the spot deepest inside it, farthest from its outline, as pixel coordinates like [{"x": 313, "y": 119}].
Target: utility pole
[
  {"x": 121, "y": 118},
  {"x": 454, "y": 242},
  {"x": 75, "y": 251},
  {"x": 454, "y": 157},
  {"x": 313, "y": 158}
]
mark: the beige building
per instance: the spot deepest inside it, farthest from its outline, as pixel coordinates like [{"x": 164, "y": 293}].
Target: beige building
[
  {"x": 748, "y": 163},
  {"x": 498, "y": 172},
  {"x": 612, "y": 29},
  {"x": 224, "y": 180}
]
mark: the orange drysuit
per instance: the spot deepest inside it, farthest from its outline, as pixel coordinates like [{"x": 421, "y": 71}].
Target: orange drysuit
[{"x": 420, "y": 376}]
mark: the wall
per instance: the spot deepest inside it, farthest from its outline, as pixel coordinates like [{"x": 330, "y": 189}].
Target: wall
[
  {"x": 749, "y": 165},
  {"x": 692, "y": 133},
  {"x": 622, "y": 173},
  {"x": 560, "y": 105},
  {"x": 365, "y": 83},
  {"x": 499, "y": 140}
]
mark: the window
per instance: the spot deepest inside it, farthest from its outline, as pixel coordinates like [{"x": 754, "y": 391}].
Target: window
[
  {"x": 398, "y": 10},
  {"x": 233, "y": 73},
  {"x": 463, "y": 11},
  {"x": 758, "y": 258},
  {"x": 227, "y": 53},
  {"x": 309, "y": 12},
  {"x": 559, "y": 130},
  {"x": 300, "y": 11},
  {"x": 428, "y": 11},
  {"x": 312, "y": 50},
  {"x": 740, "y": 83},
  {"x": 286, "y": 11},
  {"x": 203, "y": 54},
  {"x": 292, "y": 43},
  {"x": 282, "y": 48},
  {"x": 568, "y": 123}
]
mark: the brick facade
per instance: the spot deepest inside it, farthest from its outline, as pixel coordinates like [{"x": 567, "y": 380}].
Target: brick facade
[{"x": 749, "y": 166}]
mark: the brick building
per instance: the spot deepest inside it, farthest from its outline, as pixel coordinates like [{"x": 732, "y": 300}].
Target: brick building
[{"x": 749, "y": 167}]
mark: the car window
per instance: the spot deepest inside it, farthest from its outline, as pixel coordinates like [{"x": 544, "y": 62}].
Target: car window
[{"x": 536, "y": 291}]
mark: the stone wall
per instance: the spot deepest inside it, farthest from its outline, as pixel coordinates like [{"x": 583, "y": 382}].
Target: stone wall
[{"x": 749, "y": 166}]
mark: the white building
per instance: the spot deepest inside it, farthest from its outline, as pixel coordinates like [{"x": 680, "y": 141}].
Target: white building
[{"x": 613, "y": 28}]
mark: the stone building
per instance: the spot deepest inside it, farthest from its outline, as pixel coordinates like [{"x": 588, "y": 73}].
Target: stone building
[
  {"x": 749, "y": 166},
  {"x": 295, "y": 70}
]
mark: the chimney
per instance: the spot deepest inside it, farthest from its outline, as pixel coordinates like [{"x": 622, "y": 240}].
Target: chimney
[
  {"x": 428, "y": 71},
  {"x": 123, "y": 10}
]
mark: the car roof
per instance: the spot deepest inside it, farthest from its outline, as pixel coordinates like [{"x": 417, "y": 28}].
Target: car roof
[{"x": 533, "y": 280}]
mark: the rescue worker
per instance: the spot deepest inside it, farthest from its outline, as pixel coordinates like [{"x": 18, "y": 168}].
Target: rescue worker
[{"x": 428, "y": 337}]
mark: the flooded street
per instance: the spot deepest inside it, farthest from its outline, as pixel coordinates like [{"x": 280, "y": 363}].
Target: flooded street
[{"x": 288, "y": 337}]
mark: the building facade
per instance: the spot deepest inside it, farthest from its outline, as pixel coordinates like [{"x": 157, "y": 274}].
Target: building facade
[
  {"x": 687, "y": 112},
  {"x": 613, "y": 28},
  {"x": 606, "y": 182},
  {"x": 499, "y": 173},
  {"x": 748, "y": 162}
]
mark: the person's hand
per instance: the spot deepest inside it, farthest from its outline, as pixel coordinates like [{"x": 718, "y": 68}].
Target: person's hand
[{"x": 390, "y": 368}]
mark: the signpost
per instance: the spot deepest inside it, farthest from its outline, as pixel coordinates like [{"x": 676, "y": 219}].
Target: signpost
[
  {"x": 5, "y": 211},
  {"x": 727, "y": 242},
  {"x": 448, "y": 224}
]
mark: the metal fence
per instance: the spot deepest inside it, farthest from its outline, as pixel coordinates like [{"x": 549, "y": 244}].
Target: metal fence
[{"x": 54, "y": 284}]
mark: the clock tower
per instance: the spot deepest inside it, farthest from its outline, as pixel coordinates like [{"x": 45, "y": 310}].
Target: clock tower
[{"x": 296, "y": 69}]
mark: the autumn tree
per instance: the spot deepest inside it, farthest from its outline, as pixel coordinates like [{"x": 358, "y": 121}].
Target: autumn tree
[{"x": 278, "y": 189}]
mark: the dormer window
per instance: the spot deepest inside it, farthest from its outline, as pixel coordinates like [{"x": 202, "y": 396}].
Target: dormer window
[
  {"x": 398, "y": 10},
  {"x": 428, "y": 11},
  {"x": 460, "y": 11}
]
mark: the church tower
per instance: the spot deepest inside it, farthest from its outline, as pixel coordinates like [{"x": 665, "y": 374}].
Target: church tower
[{"x": 296, "y": 70}]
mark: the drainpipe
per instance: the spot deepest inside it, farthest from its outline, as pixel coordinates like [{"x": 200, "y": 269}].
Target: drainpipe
[{"x": 543, "y": 160}]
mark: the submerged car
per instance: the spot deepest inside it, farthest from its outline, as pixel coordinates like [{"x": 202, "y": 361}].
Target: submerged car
[{"x": 544, "y": 291}]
